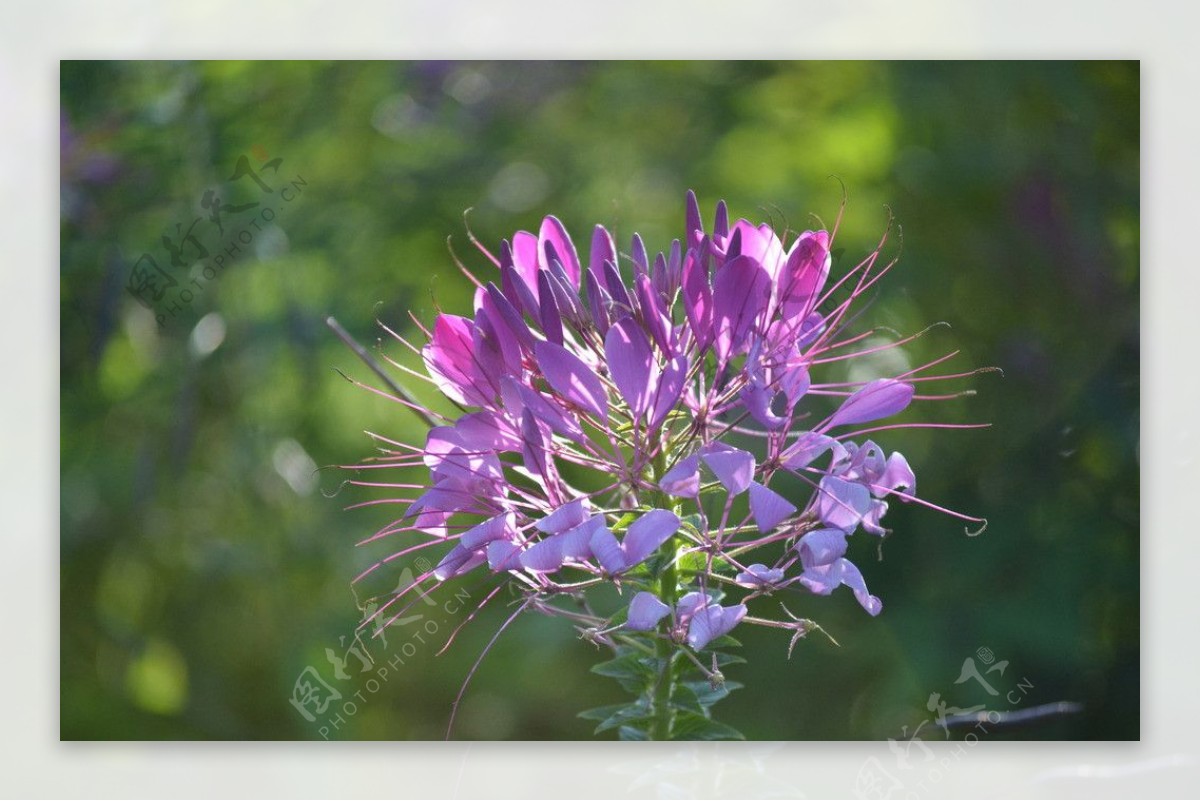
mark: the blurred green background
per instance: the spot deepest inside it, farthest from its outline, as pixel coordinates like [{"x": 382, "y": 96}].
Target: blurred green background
[{"x": 205, "y": 565}]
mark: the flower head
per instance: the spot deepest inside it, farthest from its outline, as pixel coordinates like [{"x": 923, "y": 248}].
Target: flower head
[{"x": 677, "y": 390}]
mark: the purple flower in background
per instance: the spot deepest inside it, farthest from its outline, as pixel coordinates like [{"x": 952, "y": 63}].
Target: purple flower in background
[{"x": 652, "y": 423}]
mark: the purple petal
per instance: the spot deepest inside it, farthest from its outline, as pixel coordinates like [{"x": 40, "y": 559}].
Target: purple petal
[
  {"x": 516, "y": 291},
  {"x": 607, "y": 550},
  {"x": 825, "y": 579},
  {"x": 741, "y": 290},
  {"x": 853, "y": 578},
  {"x": 804, "y": 274},
  {"x": 569, "y": 515},
  {"x": 525, "y": 257},
  {"x": 645, "y": 610},
  {"x": 616, "y": 289},
  {"x": 565, "y": 296},
  {"x": 653, "y": 313},
  {"x": 598, "y": 301},
  {"x": 637, "y": 252},
  {"x": 682, "y": 480},
  {"x": 758, "y": 400},
  {"x": 878, "y": 399},
  {"x": 553, "y": 233},
  {"x": 487, "y": 431},
  {"x": 688, "y": 605},
  {"x": 533, "y": 446},
  {"x": 501, "y": 526},
  {"x": 768, "y": 507},
  {"x": 698, "y": 301},
  {"x": 721, "y": 221},
  {"x": 603, "y": 249},
  {"x": 545, "y": 556},
  {"x": 821, "y": 547},
  {"x": 758, "y": 576},
  {"x": 458, "y": 561},
  {"x": 871, "y": 521},
  {"x": 841, "y": 504},
  {"x": 693, "y": 225},
  {"x": 631, "y": 364},
  {"x": 711, "y": 622},
  {"x": 647, "y": 533},
  {"x": 733, "y": 467},
  {"x": 669, "y": 389},
  {"x": 807, "y": 447},
  {"x": 571, "y": 378},
  {"x": 576, "y": 543},
  {"x": 548, "y": 314},
  {"x": 449, "y": 359},
  {"x": 503, "y": 555},
  {"x": 549, "y": 412},
  {"x": 897, "y": 475}
]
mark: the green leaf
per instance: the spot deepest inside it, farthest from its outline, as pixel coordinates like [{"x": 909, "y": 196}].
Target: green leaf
[
  {"x": 602, "y": 712},
  {"x": 691, "y": 726},
  {"x": 632, "y": 733},
  {"x": 629, "y": 714},
  {"x": 624, "y": 522},
  {"x": 706, "y": 695},
  {"x": 626, "y": 666},
  {"x": 697, "y": 562}
]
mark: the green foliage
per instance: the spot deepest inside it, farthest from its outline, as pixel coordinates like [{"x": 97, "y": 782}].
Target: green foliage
[{"x": 694, "y": 691}]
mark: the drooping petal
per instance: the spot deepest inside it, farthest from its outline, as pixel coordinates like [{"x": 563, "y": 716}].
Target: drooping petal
[
  {"x": 682, "y": 480},
  {"x": 631, "y": 364},
  {"x": 645, "y": 610},
  {"x": 805, "y": 450},
  {"x": 607, "y": 550},
  {"x": 757, "y": 575},
  {"x": 688, "y": 605},
  {"x": 878, "y": 399},
  {"x": 897, "y": 475},
  {"x": 549, "y": 554},
  {"x": 768, "y": 507},
  {"x": 853, "y": 578},
  {"x": 841, "y": 504},
  {"x": 647, "y": 533},
  {"x": 733, "y": 467},
  {"x": 458, "y": 561},
  {"x": 710, "y": 622},
  {"x": 821, "y": 547},
  {"x": 564, "y": 517},
  {"x": 571, "y": 378},
  {"x": 501, "y": 526},
  {"x": 503, "y": 555},
  {"x": 824, "y": 579}
]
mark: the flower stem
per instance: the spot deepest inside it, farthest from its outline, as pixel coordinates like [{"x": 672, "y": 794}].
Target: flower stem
[{"x": 668, "y": 591}]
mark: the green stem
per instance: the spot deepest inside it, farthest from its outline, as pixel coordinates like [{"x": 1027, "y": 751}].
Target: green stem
[
  {"x": 668, "y": 591},
  {"x": 663, "y": 689}
]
